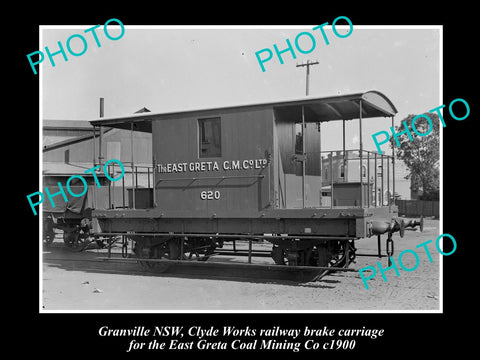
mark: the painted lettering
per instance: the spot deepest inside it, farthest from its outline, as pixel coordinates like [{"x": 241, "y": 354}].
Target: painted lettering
[{"x": 206, "y": 166}]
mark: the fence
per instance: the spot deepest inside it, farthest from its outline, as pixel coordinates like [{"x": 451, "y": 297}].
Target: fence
[{"x": 412, "y": 208}]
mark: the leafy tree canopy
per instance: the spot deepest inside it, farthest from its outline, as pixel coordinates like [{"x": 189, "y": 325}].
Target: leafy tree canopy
[{"x": 422, "y": 155}]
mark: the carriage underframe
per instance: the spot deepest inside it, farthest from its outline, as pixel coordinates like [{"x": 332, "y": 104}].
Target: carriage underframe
[
  {"x": 323, "y": 244},
  {"x": 256, "y": 206}
]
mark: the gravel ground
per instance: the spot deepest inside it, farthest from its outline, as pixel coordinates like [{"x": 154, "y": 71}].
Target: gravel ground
[{"x": 80, "y": 285}]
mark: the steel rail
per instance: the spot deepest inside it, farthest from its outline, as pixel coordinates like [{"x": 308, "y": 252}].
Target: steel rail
[{"x": 227, "y": 264}]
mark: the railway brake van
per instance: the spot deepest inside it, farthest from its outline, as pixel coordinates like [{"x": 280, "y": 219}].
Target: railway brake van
[{"x": 258, "y": 173}]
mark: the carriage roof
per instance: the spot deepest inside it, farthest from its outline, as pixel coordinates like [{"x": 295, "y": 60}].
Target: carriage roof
[{"x": 316, "y": 109}]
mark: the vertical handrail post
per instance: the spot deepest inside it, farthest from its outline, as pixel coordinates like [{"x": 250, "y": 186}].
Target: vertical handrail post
[
  {"x": 331, "y": 179},
  {"x": 132, "y": 165},
  {"x": 361, "y": 155},
  {"x": 368, "y": 179},
  {"x": 375, "y": 182},
  {"x": 94, "y": 191},
  {"x": 304, "y": 157},
  {"x": 320, "y": 159},
  {"x": 383, "y": 177},
  {"x": 393, "y": 167},
  {"x": 136, "y": 177},
  {"x": 148, "y": 177},
  {"x": 388, "y": 181},
  {"x": 123, "y": 191},
  {"x": 154, "y": 185},
  {"x": 344, "y": 161},
  {"x": 113, "y": 184}
]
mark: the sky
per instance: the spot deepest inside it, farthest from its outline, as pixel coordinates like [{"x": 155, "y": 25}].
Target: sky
[{"x": 180, "y": 68}]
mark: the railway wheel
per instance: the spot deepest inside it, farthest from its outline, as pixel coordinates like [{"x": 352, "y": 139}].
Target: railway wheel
[
  {"x": 100, "y": 243},
  {"x": 201, "y": 248},
  {"x": 143, "y": 250},
  {"x": 70, "y": 237},
  {"x": 327, "y": 254},
  {"x": 292, "y": 257},
  {"x": 334, "y": 255},
  {"x": 278, "y": 255},
  {"x": 76, "y": 240},
  {"x": 174, "y": 249},
  {"x": 48, "y": 231}
]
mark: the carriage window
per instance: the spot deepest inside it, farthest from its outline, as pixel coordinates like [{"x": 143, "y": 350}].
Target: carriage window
[
  {"x": 298, "y": 139},
  {"x": 210, "y": 141}
]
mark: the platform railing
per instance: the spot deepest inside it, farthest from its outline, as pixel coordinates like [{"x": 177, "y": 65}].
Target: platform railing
[
  {"x": 134, "y": 188},
  {"x": 374, "y": 173}
]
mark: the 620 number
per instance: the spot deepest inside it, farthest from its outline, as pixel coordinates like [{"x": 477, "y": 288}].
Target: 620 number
[{"x": 210, "y": 195}]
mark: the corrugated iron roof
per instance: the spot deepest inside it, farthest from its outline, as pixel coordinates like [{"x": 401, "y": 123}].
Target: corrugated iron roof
[
  {"x": 70, "y": 140},
  {"x": 67, "y": 124},
  {"x": 60, "y": 168},
  {"x": 317, "y": 109},
  {"x": 78, "y": 168}
]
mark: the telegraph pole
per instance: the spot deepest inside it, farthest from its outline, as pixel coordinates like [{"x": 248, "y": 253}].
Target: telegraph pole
[{"x": 308, "y": 64}]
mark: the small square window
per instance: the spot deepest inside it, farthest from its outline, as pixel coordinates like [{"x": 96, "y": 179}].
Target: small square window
[{"x": 209, "y": 138}]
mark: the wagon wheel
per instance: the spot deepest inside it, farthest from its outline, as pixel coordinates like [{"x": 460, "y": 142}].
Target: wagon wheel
[
  {"x": 303, "y": 257},
  {"x": 100, "y": 243},
  {"x": 70, "y": 237},
  {"x": 338, "y": 259},
  {"x": 279, "y": 256},
  {"x": 292, "y": 257},
  {"x": 48, "y": 238},
  {"x": 76, "y": 240},
  {"x": 322, "y": 256},
  {"x": 309, "y": 257},
  {"x": 48, "y": 232},
  {"x": 209, "y": 251},
  {"x": 143, "y": 252},
  {"x": 202, "y": 248},
  {"x": 147, "y": 265},
  {"x": 174, "y": 249},
  {"x": 146, "y": 252}
]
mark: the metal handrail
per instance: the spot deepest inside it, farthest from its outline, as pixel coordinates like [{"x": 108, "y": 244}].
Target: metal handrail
[
  {"x": 211, "y": 178},
  {"x": 334, "y": 157},
  {"x": 379, "y": 175},
  {"x": 133, "y": 169}
]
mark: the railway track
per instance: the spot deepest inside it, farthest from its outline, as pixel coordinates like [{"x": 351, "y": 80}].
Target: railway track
[{"x": 224, "y": 264}]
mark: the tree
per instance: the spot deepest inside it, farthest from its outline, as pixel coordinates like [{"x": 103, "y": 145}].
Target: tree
[{"x": 422, "y": 155}]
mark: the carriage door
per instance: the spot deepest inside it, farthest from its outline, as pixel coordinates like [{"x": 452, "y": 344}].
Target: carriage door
[
  {"x": 306, "y": 159},
  {"x": 297, "y": 166}
]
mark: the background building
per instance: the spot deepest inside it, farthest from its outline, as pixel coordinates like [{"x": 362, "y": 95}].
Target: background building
[{"x": 72, "y": 147}]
